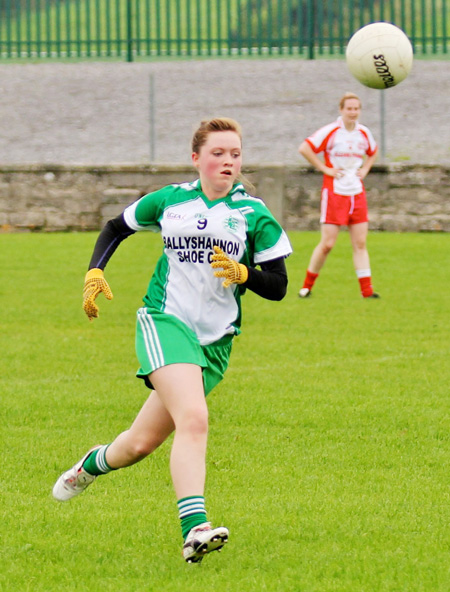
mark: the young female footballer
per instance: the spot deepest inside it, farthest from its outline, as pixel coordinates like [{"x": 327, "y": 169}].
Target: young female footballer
[
  {"x": 349, "y": 153},
  {"x": 214, "y": 237}
]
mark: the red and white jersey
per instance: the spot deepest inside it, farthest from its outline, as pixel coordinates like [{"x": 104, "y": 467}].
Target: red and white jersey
[{"x": 344, "y": 150}]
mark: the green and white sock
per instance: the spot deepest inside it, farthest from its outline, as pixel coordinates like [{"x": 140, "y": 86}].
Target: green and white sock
[
  {"x": 96, "y": 464},
  {"x": 192, "y": 513}
]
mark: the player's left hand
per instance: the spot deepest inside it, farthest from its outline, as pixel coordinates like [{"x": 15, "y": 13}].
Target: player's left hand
[
  {"x": 232, "y": 271},
  {"x": 362, "y": 173}
]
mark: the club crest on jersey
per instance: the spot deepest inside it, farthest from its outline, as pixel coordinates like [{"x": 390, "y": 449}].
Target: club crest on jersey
[{"x": 231, "y": 224}]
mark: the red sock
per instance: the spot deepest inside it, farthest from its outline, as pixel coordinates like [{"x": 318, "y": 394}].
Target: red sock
[
  {"x": 366, "y": 286},
  {"x": 310, "y": 279}
]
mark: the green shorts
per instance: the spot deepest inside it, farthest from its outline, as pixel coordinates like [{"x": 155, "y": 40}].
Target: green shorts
[{"x": 162, "y": 339}]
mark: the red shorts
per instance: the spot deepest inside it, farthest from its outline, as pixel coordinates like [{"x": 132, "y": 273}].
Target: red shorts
[{"x": 343, "y": 210}]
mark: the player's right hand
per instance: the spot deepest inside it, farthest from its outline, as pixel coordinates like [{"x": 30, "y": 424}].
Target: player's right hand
[
  {"x": 94, "y": 283},
  {"x": 336, "y": 173}
]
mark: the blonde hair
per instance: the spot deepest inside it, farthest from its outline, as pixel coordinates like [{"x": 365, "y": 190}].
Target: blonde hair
[
  {"x": 349, "y": 95},
  {"x": 218, "y": 124}
]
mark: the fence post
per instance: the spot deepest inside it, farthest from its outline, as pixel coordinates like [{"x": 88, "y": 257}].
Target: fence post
[
  {"x": 129, "y": 32},
  {"x": 311, "y": 27},
  {"x": 152, "y": 118},
  {"x": 382, "y": 124}
]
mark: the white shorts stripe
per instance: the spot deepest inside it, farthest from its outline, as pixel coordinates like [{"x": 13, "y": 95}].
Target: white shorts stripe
[
  {"x": 352, "y": 204},
  {"x": 324, "y": 206},
  {"x": 152, "y": 343},
  {"x": 148, "y": 349}
]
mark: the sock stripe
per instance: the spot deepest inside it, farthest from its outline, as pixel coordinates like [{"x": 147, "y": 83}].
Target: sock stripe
[
  {"x": 187, "y": 501},
  {"x": 192, "y": 513},
  {"x": 193, "y": 510},
  {"x": 100, "y": 460},
  {"x": 363, "y": 273},
  {"x": 189, "y": 506}
]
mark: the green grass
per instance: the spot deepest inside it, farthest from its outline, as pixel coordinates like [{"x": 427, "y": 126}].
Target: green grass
[{"x": 329, "y": 442}]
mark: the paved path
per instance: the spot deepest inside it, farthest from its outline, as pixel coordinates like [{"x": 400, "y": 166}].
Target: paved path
[{"x": 99, "y": 113}]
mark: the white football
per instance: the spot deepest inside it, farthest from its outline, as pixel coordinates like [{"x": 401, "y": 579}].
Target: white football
[{"x": 379, "y": 55}]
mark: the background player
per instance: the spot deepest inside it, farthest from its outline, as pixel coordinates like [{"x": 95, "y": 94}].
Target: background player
[
  {"x": 185, "y": 328},
  {"x": 345, "y": 144}
]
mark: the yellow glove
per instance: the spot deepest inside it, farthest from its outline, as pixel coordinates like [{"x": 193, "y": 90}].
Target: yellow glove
[
  {"x": 232, "y": 271},
  {"x": 94, "y": 283}
]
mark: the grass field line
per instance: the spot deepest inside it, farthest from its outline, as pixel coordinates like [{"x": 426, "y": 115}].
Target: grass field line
[
  {"x": 331, "y": 361},
  {"x": 400, "y": 356}
]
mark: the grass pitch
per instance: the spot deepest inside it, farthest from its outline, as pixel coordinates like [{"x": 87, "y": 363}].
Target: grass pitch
[{"x": 329, "y": 447}]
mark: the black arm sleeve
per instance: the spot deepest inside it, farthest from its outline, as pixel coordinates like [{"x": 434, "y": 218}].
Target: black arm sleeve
[
  {"x": 270, "y": 282},
  {"x": 113, "y": 233}
]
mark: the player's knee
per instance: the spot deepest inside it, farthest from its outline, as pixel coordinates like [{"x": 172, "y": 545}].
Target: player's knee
[
  {"x": 195, "y": 422},
  {"x": 359, "y": 245},
  {"x": 327, "y": 247},
  {"x": 142, "y": 447}
]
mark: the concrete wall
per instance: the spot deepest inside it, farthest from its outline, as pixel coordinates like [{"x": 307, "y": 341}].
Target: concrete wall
[{"x": 81, "y": 197}]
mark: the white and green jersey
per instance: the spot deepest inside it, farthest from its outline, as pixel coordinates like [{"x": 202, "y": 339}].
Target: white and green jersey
[{"x": 183, "y": 283}]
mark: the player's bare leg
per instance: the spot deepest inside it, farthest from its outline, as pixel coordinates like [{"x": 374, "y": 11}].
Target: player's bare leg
[
  {"x": 180, "y": 389},
  {"x": 329, "y": 234},
  {"x": 150, "y": 429},
  {"x": 178, "y": 403},
  {"x": 358, "y": 236},
  {"x": 361, "y": 261},
  {"x": 167, "y": 408}
]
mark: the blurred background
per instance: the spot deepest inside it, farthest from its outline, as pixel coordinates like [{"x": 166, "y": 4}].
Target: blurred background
[{"x": 112, "y": 81}]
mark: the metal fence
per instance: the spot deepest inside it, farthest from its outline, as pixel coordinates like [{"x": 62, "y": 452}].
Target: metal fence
[{"x": 133, "y": 29}]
